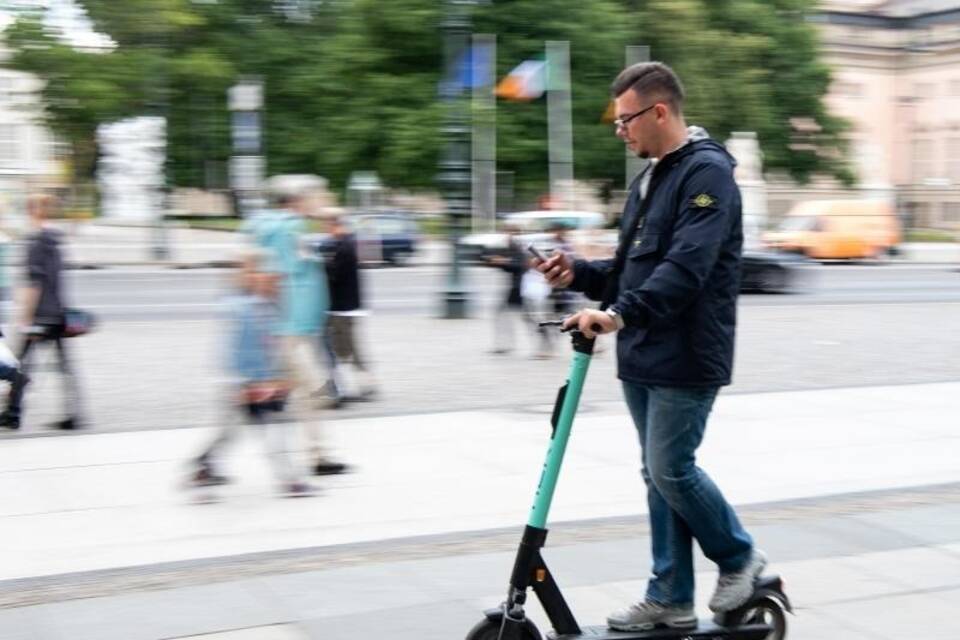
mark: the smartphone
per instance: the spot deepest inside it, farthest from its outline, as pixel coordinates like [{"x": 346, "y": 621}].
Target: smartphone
[{"x": 536, "y": 253}]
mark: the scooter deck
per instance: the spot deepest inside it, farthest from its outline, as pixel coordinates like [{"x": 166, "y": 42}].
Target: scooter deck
[{"x": 705, "y": 630}]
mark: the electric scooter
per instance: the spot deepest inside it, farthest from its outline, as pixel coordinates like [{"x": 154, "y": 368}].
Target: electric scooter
[{"x": 761, "y": 618}]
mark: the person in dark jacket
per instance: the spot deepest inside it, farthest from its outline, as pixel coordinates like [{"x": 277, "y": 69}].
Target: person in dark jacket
[
  {"x": 515, "y": 263},
  {"x": 43, "y": 313},
  {"x": 673, "y": 307},
  {"x": 346, "y": 309}
]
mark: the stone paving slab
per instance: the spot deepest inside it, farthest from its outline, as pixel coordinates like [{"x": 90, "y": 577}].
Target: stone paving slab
[
  {"x": 270, "y": 632},
  {"x": 870, "y": 593}
]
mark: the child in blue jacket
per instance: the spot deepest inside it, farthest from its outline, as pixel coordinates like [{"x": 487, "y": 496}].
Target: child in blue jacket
[{"x": 259, "y": 386}]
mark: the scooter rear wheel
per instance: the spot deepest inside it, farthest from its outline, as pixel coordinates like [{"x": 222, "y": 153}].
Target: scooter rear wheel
[
  {"x": 490, "y": 630},
  {"x": 768, "y": 612}
]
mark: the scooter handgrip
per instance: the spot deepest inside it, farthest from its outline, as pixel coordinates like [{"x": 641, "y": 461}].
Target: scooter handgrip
[{"x": 596, "y": 328}]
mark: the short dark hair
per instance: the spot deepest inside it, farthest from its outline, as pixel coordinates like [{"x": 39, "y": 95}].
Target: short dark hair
[{"x": 650, "y": 78}]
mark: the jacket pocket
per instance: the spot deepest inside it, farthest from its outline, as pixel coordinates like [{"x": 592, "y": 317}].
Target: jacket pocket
[{"x": 646, "y": 245}]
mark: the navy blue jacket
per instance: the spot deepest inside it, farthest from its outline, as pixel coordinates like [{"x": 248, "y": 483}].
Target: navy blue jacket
[
  {"x": 44, "y": 267},
  {"x": 343, "y": 274},
  {"x": 678, "y": 290}
]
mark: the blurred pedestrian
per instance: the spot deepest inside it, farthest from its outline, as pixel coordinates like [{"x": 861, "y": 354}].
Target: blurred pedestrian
[
  {"x": 9, "y": 365},
  {"x": 561, "y": 297},
  {"x": 303, "y": 303},
  {"x": 514, "y": 262},
  {"x": 346, "y": 309},
  {"x": 259, "y": 388},
  {"x": 42, "y": 314},
  {"x": 6, "y": 246},
  {"x": 535, "y": 293}
]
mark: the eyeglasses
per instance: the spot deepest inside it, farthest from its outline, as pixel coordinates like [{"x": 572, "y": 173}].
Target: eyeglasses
[{"x": 621, "y": 123}]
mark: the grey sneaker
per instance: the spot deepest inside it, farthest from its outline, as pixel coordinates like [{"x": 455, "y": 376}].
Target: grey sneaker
[
  {"x": 644, "y": 616},
  {"x": 734, "y": 589}
]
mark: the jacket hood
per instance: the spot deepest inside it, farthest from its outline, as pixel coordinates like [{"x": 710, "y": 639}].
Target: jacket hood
[{"x": 698, "y": 140}]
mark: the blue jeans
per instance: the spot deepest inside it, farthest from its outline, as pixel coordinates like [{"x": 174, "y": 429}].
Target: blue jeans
[{"x": 684, "y": 503}]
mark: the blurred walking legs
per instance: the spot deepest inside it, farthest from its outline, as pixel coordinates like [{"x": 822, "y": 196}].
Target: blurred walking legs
[{"x": 342, "y": 332}]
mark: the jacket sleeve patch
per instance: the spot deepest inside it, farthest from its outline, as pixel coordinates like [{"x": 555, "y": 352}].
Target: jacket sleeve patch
[{"x": 703, "y": 200}]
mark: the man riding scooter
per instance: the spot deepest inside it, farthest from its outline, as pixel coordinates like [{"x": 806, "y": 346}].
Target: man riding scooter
[{"x": 673, "y": 307}]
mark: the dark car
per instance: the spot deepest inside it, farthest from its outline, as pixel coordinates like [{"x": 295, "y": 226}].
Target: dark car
[
  {"x": 387, "y": 237},
  {"x": 766, "y": 271}
]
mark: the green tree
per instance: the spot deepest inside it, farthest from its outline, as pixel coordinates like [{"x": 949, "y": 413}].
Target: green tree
[
  {"x": 752, "y": 65},
  {"x": 352, "y": 84},
  {"x": 598, "y": 32}
]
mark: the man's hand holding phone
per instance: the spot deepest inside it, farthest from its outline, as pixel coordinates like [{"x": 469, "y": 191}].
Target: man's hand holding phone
[{"x": 557, "y": 268}]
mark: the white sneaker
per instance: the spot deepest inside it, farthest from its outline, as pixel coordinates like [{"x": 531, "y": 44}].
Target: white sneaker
[
  {"x": 644, "y": 616},
  {"x": 734, "y": 589}
]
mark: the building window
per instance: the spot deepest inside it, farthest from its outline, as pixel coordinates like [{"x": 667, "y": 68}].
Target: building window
[
  {"x": 951, "y": 213},
  {"x": 922, "y": 160},
  {"x": 9, "y": 144},
  {"x": 953, "y": 160}
]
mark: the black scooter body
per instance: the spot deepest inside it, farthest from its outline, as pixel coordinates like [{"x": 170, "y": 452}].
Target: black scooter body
[
  {"x": 706, "y": 631},
  {"x": 762, "y": 617},
  {"x": 725, "y": 626}
]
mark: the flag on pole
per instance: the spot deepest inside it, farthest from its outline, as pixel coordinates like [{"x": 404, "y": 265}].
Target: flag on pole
[
  {"x": 474, "y": 66},
  {"x": 470, "y": 70},
  {"x": 609, "y": 114},
  {"x": 525, "y": 83}
]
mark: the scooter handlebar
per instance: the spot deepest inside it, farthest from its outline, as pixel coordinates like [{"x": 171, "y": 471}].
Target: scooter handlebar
[{"x": 596, "y": 328}]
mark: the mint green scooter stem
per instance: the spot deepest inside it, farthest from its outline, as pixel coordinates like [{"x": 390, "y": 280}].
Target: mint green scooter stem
[{"x": 567, "y": 401}]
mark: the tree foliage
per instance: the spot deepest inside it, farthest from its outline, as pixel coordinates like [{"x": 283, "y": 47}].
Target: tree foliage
[
  {"x": 352, "y": 84},
  {"x": 752, "y": 65}
]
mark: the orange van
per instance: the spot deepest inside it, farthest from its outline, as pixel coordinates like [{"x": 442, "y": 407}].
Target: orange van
[{"x": 838, "y": 229}]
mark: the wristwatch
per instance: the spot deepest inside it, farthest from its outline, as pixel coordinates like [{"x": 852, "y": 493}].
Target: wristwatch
[{"x": 617, "y": 318}]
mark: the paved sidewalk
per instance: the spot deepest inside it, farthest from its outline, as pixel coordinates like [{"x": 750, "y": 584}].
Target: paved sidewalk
[
  {"x": 440, "y": 500},
  {"x": 860, "y": 567},
  {"x": 99, "y": 501}
]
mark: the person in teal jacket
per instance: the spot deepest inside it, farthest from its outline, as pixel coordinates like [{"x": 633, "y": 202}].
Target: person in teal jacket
[{"x": 304, "y": 301}]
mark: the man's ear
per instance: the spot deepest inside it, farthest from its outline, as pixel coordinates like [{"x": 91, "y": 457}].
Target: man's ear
[{"x": 663, "y": 110}]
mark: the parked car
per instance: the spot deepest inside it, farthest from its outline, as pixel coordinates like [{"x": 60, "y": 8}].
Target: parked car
[
  {"x": 838, "y": 229},
  {"x": 764, "y": 270},
  {"x": 534, "y": 226},
  {"x": 767, "y": 271},
  {"x": 387, "y": 237}
]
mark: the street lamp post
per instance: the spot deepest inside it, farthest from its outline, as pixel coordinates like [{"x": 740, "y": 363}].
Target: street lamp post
[{"x": 455, "y": 176}]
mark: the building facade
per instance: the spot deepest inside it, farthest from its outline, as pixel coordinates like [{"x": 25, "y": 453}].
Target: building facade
[
  {"x": 896, "y": 78},
  {"x": 27, "y": 149}
]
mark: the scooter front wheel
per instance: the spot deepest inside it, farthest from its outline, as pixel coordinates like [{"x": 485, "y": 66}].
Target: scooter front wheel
[
  {"x": 767, "y": 612},
  {"x": 488, "y": 629}
]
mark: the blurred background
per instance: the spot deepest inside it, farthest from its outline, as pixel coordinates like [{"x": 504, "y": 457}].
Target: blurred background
[{"x": 418, "y": 136}]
